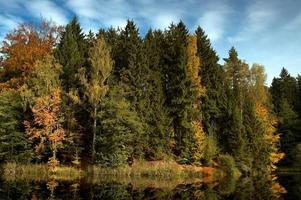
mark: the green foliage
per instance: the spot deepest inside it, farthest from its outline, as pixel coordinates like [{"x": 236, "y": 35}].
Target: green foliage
[
  {"x": 120, "y": 128},
  {"x": 211, "y": 149},
  {"x": 178, "y": 89},
  {"x": 212, "y": 78},
  {"x": 227, "y": 164},
  {"x": 14, "y": 146}
]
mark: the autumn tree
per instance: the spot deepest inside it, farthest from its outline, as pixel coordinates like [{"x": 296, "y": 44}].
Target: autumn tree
[
  {"x": 193, "y": 74},
  {"x": 95, "y": 83},
  {"x": 46, "y": 125},
  {"x": 23, "y": 47}
]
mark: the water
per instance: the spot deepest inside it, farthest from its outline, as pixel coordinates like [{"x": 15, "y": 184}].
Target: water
[{"x": 149, "y": 188}]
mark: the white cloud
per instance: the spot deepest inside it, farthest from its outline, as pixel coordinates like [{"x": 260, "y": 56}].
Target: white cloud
[
  {"x": 214, "y": 20},
  {"x": 47, "y": 9},
  {"x": 259, "y": 17}
]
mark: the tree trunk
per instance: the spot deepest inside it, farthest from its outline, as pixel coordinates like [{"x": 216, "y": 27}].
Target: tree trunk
[{"x": 94, "y": 133}]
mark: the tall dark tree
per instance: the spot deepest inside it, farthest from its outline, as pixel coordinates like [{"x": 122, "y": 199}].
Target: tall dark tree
[
  {"x": 72, "y": 54},
  {"x": 14, "y": 146},
  {"x": 179, "y": 99},
  {"x": 212, "y": 78},
  {"x": 236, "y": 76},
  {"x": 157, "y": 117}
]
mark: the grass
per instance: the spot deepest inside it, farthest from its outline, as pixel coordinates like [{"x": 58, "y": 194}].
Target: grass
[
  {"x": 152, "y": 171},
  {"x": 13, "y": 171},
  {"x": 161, "y": 169}
]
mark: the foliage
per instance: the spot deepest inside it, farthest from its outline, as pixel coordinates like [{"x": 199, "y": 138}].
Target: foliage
[
  {"x": 95, "y": 83},
  {"x": 14, "y": 145},
  {"x": 23, "y": 47},
  {"x": 47, "y": 124}
]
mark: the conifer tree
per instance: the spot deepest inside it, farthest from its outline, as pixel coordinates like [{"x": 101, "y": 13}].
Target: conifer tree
[
  {"x": 158, "y": 119},
  {"x": 179, "y": 96},
  {"x": 120, "y": 124},
  {"x": 71, "y": 53},
  {"x": 237, "y": 74},
  {"x": 14, "y": 146},
  {"x": 212, "y": 79}
]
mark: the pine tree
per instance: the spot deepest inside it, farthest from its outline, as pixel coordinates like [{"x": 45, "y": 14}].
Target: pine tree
[
  {"x": 237, "y": 74},
  {"x": 71, "y": 53},
  {"x": 158, "y": 139},
  {"x": 120, "y": 124},
  {"x": 14, "y": 146},
  {"x": 179, "y": 97},
  {"x": 212, "y": 79}
]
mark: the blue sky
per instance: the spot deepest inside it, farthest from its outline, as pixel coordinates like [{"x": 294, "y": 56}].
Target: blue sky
[{"x": 267, "y": 32}]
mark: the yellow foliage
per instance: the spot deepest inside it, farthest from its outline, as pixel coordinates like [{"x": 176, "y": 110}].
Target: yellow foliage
[
  {"x": 193, "y": 65},
  {"x": 269, "y": 122},
  {"x": 199, "y": 138}
]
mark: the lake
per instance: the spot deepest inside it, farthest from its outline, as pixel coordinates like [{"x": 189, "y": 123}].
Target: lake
[{"x": 287, "y": 186}]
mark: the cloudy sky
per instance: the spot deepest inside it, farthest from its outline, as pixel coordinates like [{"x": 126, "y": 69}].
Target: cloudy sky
[{"x": 263, "y": 31}]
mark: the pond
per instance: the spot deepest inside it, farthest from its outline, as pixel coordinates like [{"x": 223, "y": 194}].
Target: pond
[{"x": 287, "y": 186}]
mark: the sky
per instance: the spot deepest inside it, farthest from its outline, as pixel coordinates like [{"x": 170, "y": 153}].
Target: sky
[{"x": 266, "y": 32}]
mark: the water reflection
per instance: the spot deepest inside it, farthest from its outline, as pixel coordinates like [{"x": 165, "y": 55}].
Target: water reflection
[{"x": 111, "y": 188}]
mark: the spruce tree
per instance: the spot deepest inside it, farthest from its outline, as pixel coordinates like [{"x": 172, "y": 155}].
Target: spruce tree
[
  {"x": 179, "y": 97},
  {"x": 212, "y": 78},
  {"x": 14, "y": 145},
  {"x": 72, "y": 54},
  {"x": 158, "y": 138},
  {"x": 236, "y": 73}
]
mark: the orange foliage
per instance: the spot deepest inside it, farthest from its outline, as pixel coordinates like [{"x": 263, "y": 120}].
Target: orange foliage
[
  {"x": 23, "y": 47},
  {"x": 47, "y": 122}
]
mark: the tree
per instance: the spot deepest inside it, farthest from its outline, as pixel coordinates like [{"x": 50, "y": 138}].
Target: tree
[
  {"x": 178, "y": 89},
  {"x": 237, "y": 76},
  {"x": 120, "y": 124},
  {"x": 71, "y": 53},
  {"x": 193, "y": 71},
  {"x": 14, "y": 146},
  {"x": 47, "y": 124},
  {"x": 214, "y": 100},
  {"x": 23, "y": 47},
  {"x": 95, "y": 82},
  {"x": 158, "y": 120}
]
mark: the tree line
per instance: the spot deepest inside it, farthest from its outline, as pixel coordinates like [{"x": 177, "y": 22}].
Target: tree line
[{"x": 113, "y": 97}]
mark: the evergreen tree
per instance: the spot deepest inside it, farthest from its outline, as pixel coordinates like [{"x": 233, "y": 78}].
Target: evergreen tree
[
  {"x": 158, "y": 119},
  {"x": 120, "y": 124},
  {"x": 134, "y": 76},
  {"x": 14, "y": 146},
  {"x": 237, "y": 79},
  {"x": 178, "y": 89},
  {"x": 71, "y": 53},
  {"x": 212, "y": 79}
]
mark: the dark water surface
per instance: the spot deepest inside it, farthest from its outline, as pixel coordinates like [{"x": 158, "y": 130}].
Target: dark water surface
[{"x": 148, "y": 188}]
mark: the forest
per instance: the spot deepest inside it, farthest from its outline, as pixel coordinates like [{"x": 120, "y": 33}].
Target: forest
[{"x": 114, "y": 97}]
